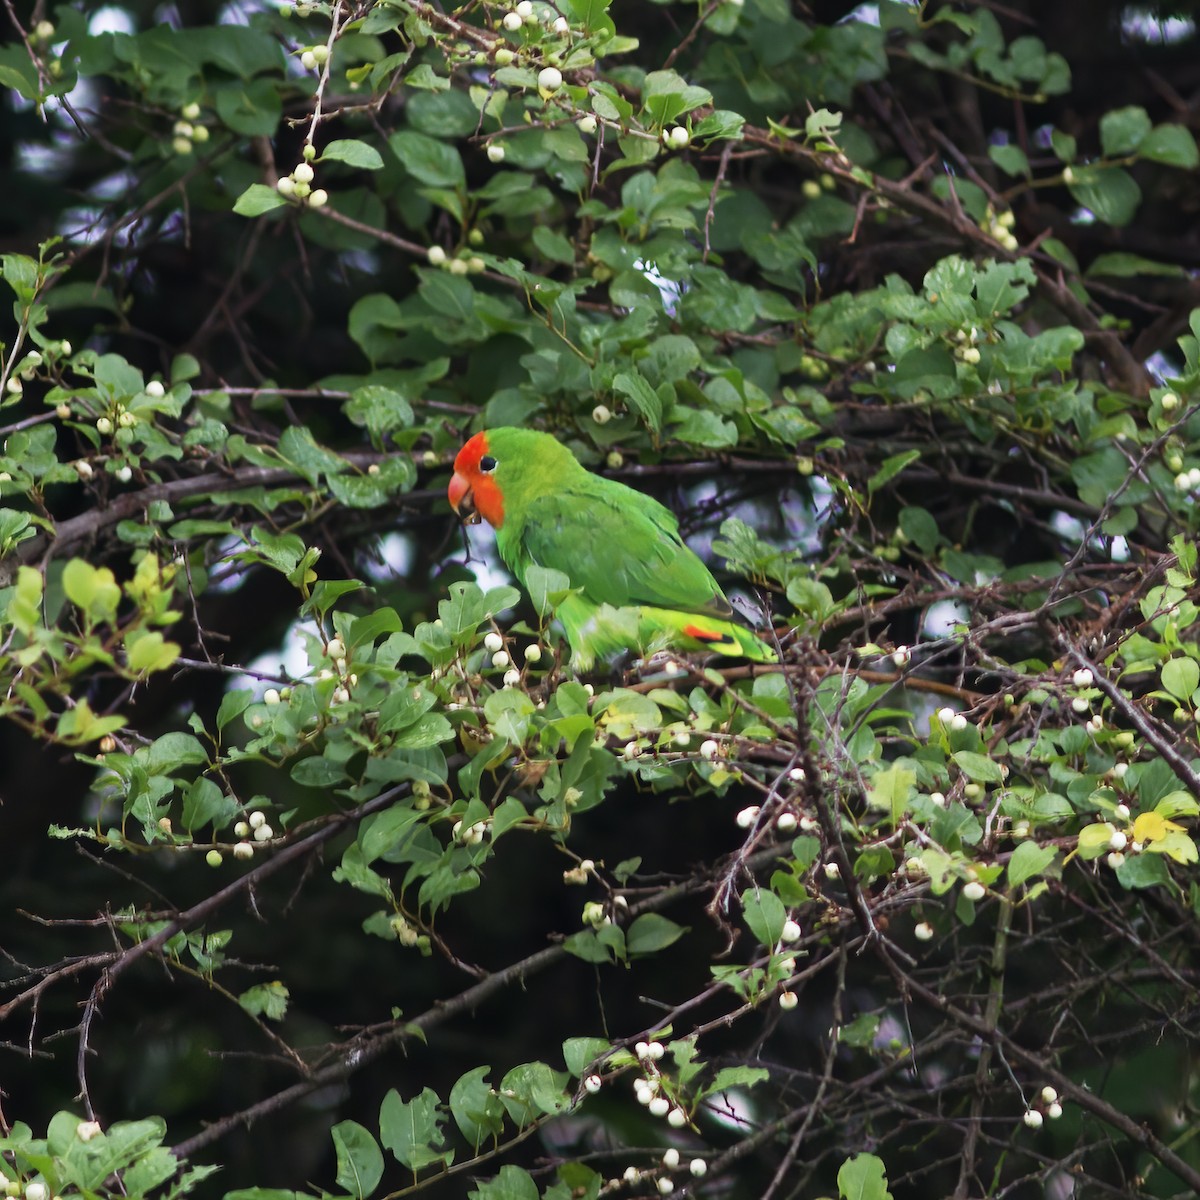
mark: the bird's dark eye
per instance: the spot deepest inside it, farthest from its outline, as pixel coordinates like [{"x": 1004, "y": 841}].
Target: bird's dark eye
[{"x": 487, "y": 464}]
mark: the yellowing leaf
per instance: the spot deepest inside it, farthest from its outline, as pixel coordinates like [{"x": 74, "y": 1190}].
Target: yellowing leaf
[
  {"x": 1178, "y": 846},
  {"x": 1151, "y": 827}
]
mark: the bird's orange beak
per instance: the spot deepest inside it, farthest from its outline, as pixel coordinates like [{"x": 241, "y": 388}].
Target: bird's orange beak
[{"x": 462, "y": 499}]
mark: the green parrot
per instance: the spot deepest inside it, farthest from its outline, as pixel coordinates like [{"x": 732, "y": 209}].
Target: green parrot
[{"x": 635, "y": 584}]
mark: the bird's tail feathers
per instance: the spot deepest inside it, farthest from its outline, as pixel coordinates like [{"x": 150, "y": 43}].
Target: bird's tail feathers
[{"x": 707, "y": 633}]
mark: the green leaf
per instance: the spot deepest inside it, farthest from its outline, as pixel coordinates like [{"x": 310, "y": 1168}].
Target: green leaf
[
  {"x": 1181, "y": 677},
  {"x": 1010, "y": 159},
  {"x": 1111, "y": 194},
  {"x": 429, "y": 160},
  {"x": 510, "y": 1183},
  {"x": 148, "y": 651},
  {"x": 579, "y": 1053},
  {"x": 476, "y": 1108},
  {"x": 233, "y": 704},
  {"x": 822, "y": 124},
  {"x": 318, "y": 772},
  {"x": 650, "y": 933},
  {"x": 1143, "y": 871},
  {"x": 354, "y": 153},
  {"x": 205, "y": 802},
  {"x": 891, "y": 468},
  {"x": 359, "y": 1159},
  {"x": 252, "y": 109},
  {"x": 268, "y": 1000},
  {"x": 533, "y": 1090},
  {"x": 553, "y": 245},
  {"x": 978, "y": 767},
  {"x": 641, "y": 399},
  {"x": 93, "y": 589},
  {"x": 1172, "y": 145},
  {"x": 1122, "y": 264},
  {"x": 1123, "y": 130},
  {"x": 919, "y": 526},
  {"x": 765, "y": 915},
  {"x": 547, "y": 589},
  {"x": 863, "y": 1178},
  {"x": 861, "y": 1031},
  {"x": 412, "y": 1131},
  {"x": 256, "y": 200},
  {"x": 1029, "y": 859}
]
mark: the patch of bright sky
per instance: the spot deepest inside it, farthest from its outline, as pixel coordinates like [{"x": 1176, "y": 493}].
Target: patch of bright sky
[
  {"x": 1141, "y": 24},
  {"x": 111, "y": 19},
  {"x": 485, "y": 562},
  {"x": 1162, "y": 367},
  {"x": 1072, "y": 529},
  {"x": 864, "y": 14},
  {"x": 366, "y": 261},
  {"x": 943, "y": 618},
  {"x": 47, "y": 161},
  {"x": 733, "y": 1109},
  {"x": 289, "y": 660},
  {"x": 395, "y": 555},
  {"x": 81, "y": 225},
  {"x": 668, "y": 289}
]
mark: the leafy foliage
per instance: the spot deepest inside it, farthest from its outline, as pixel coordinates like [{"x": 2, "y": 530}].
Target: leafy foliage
[{"x": 918, "y": 368}]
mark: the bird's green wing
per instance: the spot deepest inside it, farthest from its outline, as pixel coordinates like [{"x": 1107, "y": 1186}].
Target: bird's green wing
[{"x": 621, "y": 547}]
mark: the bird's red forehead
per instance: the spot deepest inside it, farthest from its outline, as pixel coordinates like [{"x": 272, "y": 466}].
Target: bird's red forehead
[
  {"x": 485, "y": 494},
  {"x": 467, "y": 459}
]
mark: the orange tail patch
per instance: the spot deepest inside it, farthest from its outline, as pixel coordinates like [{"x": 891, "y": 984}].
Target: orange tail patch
[{"x": 704, "y": 635}]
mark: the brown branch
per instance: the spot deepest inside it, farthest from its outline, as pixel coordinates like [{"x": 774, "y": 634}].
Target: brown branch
[{"x": 1037, "y": 1062}]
